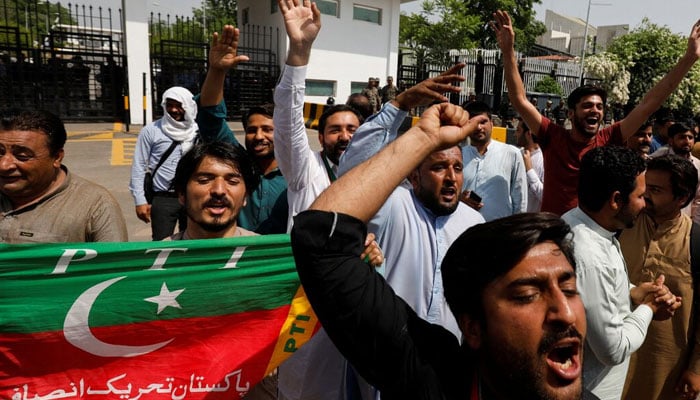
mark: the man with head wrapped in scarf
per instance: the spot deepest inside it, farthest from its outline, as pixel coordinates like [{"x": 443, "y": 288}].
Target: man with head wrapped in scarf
[{"x": 159, "y": 147}]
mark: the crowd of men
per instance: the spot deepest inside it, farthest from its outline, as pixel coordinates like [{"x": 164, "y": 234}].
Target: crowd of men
[{"x": 425, "y": 255}]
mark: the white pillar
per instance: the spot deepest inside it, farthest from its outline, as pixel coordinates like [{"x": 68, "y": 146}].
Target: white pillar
[{"x": 138, "y": 59}]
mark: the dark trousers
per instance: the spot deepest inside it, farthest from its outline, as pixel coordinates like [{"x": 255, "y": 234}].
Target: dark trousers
[{"x": 166, "y": 212}]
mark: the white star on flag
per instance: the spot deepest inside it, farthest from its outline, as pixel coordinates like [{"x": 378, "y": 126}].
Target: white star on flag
[{"x": 166, "y": 298}]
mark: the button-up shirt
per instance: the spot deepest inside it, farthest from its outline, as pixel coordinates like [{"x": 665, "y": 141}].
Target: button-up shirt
[{"x": 614, "y": 330}]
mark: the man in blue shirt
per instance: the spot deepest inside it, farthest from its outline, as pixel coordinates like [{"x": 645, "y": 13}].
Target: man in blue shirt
[{"x": 493, "y": 170}]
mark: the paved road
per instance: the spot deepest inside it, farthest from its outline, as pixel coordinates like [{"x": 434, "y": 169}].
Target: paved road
[{"x": 102, "y": 153}]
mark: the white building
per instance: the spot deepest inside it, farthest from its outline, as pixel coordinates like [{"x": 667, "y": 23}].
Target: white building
[
  {"x": 358, "y": 39},
  {"x": 566, "y": 33}
]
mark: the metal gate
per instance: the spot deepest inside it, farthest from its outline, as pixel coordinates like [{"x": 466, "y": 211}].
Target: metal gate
[
  {"x": 66, "y": 59},
  {"x": 179, "y": 58}
]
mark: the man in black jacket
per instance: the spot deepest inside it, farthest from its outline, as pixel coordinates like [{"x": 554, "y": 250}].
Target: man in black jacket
[{"x": 510, "y": 283}]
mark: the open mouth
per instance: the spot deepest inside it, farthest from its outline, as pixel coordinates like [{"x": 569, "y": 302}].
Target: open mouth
[
  {"x": 217, "y": 208},
  {"x": 592, "y": 122},
  {"x": 564, "y": 359},
  {"x": 448, "y": 193}
]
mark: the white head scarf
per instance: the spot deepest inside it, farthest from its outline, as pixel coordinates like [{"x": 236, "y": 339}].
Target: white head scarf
[{"x": 180, "y": 131}]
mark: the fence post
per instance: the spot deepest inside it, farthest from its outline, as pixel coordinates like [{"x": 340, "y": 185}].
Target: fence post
[{"x": 145, "y": 101}]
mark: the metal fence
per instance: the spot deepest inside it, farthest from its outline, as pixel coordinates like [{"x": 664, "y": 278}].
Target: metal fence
[
  {"x": 64, "y": 58},
  {"x": 179, "y": 58},
  {"x": 483, "y": 74}
]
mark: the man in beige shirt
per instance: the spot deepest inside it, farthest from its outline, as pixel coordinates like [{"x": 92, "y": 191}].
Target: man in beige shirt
[
  {"x": 659, "y": 243},
  {"x": 40, "y": 201}
]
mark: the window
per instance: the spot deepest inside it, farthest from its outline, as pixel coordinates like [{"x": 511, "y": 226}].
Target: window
[
  {"x": 328, "y": 7},
  {"x": 369, "y": 14},
  {"x": 356, "y": 87},
  {"x": 273, "y": 6},
  {"x": 246, "y": 17},
  {"x": 320, "y": 88}
]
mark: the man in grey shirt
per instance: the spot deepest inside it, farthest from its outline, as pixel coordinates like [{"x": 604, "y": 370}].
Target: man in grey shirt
[{"x": 41, "y": 202}]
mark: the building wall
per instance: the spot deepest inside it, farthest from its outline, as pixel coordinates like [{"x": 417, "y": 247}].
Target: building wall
[{"x": 346, "y": 50}]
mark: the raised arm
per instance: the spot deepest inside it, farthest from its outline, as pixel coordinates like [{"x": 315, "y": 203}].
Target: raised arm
[
  {"x": 292, "y": 151},
  {"x": 223, "y": 56},
  {"x": 370, "y": 184},
  {"x": 383, "y": 127},
  {"x": 505, "y": 35},
  {"x": 302, "y": 22},
  {"x": 656, "y": 96}
]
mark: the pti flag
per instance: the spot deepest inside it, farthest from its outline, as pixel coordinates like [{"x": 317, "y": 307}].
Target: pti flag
[{"x": 181, "y": 320}]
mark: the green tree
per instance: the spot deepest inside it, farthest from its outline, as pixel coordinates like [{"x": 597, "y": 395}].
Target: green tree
[
  {"x": 614, "y": 78},
  {"x": 648, "y": 53},
  {"x": 549, "y": 85},
  {"x": 443, "y": 25},
  {"x": 33, "y": 21},
  {"x": 218, "y": 13}
]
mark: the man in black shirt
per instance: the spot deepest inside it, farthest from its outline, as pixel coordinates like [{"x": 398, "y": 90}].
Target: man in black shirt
[{"x": 510, "y": 283}]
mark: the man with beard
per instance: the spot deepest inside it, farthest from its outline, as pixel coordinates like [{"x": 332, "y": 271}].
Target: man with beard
[
  {"x": 159, "y": 147},
  {"x": 562, "y": 148},
  {"x": 266, "y": 209},
  {"x": 611, "y": 196},
  {"x": 317, "y": 370},
  {"x": 641, "y": 140},
  {"x": 493, "y": 170},
  {"x": 681, "y": 140},
  {"x": 211, "y": 183},
  {"x": 510, "y": 284},
  {"x": 534, "y": 165},
  {"x": 660, "y": 244}
]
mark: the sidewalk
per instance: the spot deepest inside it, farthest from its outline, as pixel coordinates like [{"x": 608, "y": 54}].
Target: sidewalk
[{"x": 118, "y": 127}]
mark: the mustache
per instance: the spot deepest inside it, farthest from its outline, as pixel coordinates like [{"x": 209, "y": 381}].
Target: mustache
[
  {"x": 218, "y": 202},
  {"x": 551, "y": 338}
]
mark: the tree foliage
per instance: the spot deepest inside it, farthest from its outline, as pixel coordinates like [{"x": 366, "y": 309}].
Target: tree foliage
[
  {"x": 648, "y": 53},
  {"x": 33, "y": 20},
  {"x": 614, "y": 78},
  {"x": 217, "y": 13},
  {"x": 549, "y": 85},
  {"x": 443, "y": 25}
]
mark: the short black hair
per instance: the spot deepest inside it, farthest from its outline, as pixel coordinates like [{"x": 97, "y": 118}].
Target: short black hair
[
  {"x": 223, "y": 151},
  {"x": 267, "y": 109},
  {"x": 605, "y": 170},
  {"x": 487, "y": 251},
  {"x": 336, "y": 109},
  {"x": 684, "y": 175},
  {"x": 475, "y": 108},
  {"x": 360, "y": 102},
  {"x": 677, "y": 128},
  {"x": 36, "y": 120},
  {"x": 584, "y": 91}
]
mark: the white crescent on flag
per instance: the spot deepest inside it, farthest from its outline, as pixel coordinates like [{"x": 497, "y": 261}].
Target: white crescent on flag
[{"x": 76, "y": 328}]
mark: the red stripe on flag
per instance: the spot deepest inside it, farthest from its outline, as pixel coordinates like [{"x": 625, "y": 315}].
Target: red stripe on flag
[{"x": 230, "y": 351}]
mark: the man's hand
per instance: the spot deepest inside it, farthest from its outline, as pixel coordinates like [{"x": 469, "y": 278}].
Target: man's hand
[
  {"x": 688, "y": 385},
  {"x": 430, "y": 90},
  {"x": 144, "y": 212},
  {"x": 445, "y": 125},
  {"x": 658, "y": 297},
  {"x": 223, "y": 53},
  {"x": 694, "y": 41},
  {"x": 464, "y": 197},
  {"x": 502, "y": 25},
  {"x": 372, "y": 254},
  {"x": 302, "y": 20}
]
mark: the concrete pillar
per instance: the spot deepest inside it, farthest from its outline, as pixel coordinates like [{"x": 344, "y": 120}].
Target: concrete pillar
[{"x": 138, "y": 59}]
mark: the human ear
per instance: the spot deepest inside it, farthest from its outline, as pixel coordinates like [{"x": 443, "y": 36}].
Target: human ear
[{"x": 471, "y": 329}]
